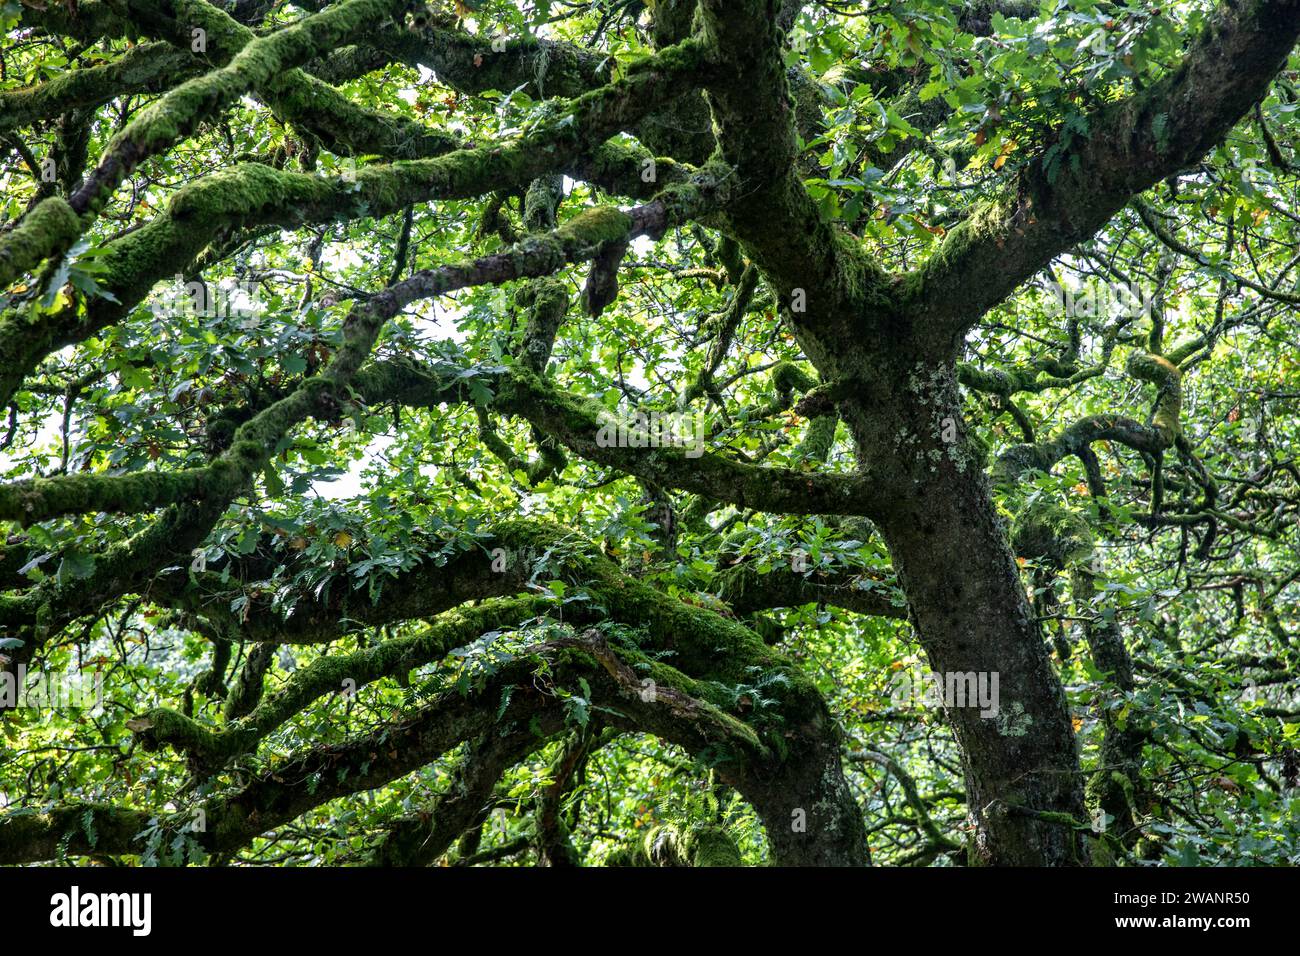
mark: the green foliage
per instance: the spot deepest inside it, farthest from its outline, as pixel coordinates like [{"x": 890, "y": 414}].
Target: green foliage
[{"x": 918, "y": 120}]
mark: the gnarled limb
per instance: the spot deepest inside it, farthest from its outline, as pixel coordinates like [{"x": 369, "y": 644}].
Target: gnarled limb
[{"x": 1131, "y": 145}]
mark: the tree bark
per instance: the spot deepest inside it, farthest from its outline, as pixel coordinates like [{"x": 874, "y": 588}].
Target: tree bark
[
  {"x": 807, "y": 808},
  {"x": 971, "y": 613}
]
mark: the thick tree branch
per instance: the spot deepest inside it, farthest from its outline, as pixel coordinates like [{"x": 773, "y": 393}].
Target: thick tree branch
[
  {"x": 747, "y": 591},
  {"x": 47, "y": 229},
  {"x": 1130, "y": 146},
  {"x": 252, "y": 195}
]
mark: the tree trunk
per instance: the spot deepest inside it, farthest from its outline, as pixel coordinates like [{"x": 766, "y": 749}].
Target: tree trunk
[
  {"x": 970, "y": 610},
  {"x": 807, "y": 808}
]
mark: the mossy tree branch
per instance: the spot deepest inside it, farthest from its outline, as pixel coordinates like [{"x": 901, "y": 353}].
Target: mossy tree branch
[
  {"x": 1132, "y": 144},
  {"x": 253, "y": 195},
  {"x": 175, "y": 116},
  {"x": 579, "y": 239}
]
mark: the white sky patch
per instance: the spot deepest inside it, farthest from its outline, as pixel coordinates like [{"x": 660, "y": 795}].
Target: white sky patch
[
  {"x": 341, "y": 256},
  {"x": 436, "y": 321},
  {"x": 47, "y": 434},
  {"x": 350, "y": 484}
]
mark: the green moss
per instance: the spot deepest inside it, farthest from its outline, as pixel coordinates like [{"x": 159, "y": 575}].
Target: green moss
[
  {"x": 788, "y": 378},
  {"x": 336, "y": 672},
  {"x": 140, "y": 68},
  {"x": 1046, "y": 530},
  {"x": 47, "y": 230},
  {"x": 187, "y": 735},
  {"x": 225, "y": 35},
  {"x": 260, "y": 62},
  {"x": 37, "y": 499},
  {"x": 987, "y": 224},
  {"x": 1019, "y": 460},
  {"x": 238, "y": 192},
  {"x": 1168, "y": 380},
  {"x": 592, "y": 228},
  {"x": 818, "y": 439}
]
